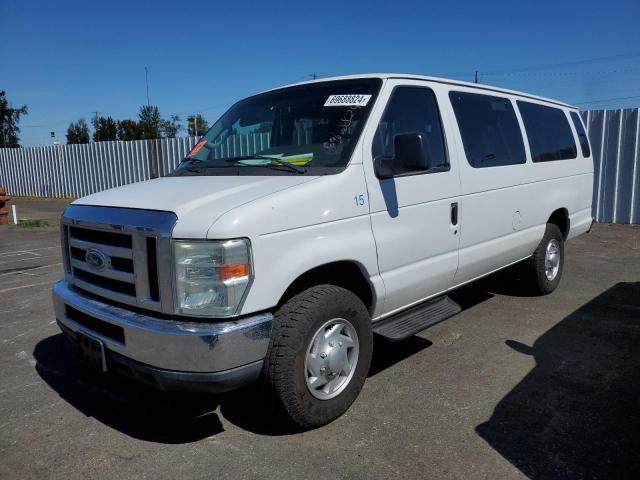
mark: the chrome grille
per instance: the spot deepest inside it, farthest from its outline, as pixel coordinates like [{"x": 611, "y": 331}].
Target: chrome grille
[
  {"x": 120, "y": 254},
  {"x": 118, "y": 273}
]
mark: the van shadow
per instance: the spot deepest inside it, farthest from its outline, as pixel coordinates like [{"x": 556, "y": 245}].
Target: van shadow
[
  {"x": 124, "y": 405},
  {"x": 575, "y": 415},
  {"x": 151, "y": 415},
  {"x": 512, "y": 281}
]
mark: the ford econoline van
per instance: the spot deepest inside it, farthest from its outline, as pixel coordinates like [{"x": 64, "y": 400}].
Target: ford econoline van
[{"x": 312, "y": 216}]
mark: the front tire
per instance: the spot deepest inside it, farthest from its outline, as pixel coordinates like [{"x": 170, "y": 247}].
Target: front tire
[
  {"x": 547, "y": 262},
  {"x": 319, "y": 355}
]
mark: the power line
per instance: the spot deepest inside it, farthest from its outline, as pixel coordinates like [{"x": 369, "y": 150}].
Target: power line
[
  {"x": 623, "y": 56},
  {"x": 584, "y": 83},
  {"x": 515, "y": 71},
  {"x": 569, "y": 73},
  {"x": 605, "y": 100}
]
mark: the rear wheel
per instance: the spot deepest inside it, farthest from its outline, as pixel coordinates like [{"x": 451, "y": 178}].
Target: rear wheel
[
  {"x": 547, "y": 262},
  {"x": 319, "y": 356}
]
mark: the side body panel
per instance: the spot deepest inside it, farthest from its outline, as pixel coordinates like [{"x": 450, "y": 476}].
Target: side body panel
[{"x": 504, "y": 209}]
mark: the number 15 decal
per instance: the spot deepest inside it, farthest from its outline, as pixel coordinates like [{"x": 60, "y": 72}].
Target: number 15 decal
[{"x": 359, "y": 199}]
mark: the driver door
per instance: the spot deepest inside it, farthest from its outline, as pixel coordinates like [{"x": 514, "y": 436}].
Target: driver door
[{"x": 413, "y": 215}]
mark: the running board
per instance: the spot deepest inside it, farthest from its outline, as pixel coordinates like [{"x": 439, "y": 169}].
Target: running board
[{"x": 416, "y": 319}]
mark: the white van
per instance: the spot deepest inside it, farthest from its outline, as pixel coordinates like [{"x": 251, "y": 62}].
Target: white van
[{"x": 310, "y": 217}]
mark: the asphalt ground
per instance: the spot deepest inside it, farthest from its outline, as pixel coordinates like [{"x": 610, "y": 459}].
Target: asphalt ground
[{"x": 513, "y": 387}]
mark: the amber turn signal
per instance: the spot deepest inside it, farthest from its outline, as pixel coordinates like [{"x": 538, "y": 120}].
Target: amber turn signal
[{"x": 228, "y": 272}]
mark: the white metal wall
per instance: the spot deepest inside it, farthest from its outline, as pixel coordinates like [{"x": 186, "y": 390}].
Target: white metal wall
[
  {"x": 615, "y": 142},
  {"x": 78, "y": 170}
]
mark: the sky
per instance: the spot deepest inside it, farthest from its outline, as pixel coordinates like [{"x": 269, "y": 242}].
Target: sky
[{"x": 66, "y": 60}]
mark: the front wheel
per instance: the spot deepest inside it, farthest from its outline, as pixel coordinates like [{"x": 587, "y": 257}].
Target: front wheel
[
  {"x": 547, "y": 262},
  {"x": 319, "y": 355}
]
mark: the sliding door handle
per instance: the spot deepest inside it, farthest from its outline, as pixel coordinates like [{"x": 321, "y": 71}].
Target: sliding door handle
[{"x": 454, "y": 214}]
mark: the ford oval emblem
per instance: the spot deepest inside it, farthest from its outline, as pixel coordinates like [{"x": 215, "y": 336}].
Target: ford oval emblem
[{"x": 96, "y": 259}]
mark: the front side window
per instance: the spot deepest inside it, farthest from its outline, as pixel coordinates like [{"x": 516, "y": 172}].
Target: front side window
[
  {"x": 582, "y": 135},
  {"x": 412, "y": 110},
  {"x": 548, "y": 131},
  {"x": 310, "y": 129},
  {"x": 489, "y": 128}
]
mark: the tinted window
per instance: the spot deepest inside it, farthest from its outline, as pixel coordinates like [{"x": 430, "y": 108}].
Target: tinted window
[
  {"x": 549, "y": 133},
  {"x": 582, "y": 135},
  {"x": 489, "y": 128},
  {"x": 412, "y": 110}
]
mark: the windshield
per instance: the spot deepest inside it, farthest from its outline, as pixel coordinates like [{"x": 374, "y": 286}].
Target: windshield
[{"x": 307, "y": 129}]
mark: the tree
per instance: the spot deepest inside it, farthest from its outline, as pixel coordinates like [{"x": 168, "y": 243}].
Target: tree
[
  {"x": 171, "y": 127},
  {"x": 128, "y": 130},
  {"x": 149, "y": 122},
  {"x": 9, "y": 119},
  {"x": 104, "y": 129},
  {"x": 78, "y": 132},
  {"x": 196, "y": 125}
]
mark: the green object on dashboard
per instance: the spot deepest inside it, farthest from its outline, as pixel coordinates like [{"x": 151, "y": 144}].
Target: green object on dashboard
[{"x": 300, "y": 160}]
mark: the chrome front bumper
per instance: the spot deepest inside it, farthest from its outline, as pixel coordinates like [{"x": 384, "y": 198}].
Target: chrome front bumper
[{"x": 158, "y": 343}]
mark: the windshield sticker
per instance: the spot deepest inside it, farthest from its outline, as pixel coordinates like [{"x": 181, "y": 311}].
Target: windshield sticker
[
  {"x": 347, "y": 101},
  {"x": 197, "y": 148}
]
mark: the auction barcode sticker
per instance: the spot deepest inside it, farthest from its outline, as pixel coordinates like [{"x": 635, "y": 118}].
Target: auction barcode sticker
[{"x": 347, "y": 100}]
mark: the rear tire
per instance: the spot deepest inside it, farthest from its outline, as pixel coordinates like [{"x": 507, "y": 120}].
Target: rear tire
[
  {"x": 547, "y": 262},
  {"x": 319, "y": 355}
]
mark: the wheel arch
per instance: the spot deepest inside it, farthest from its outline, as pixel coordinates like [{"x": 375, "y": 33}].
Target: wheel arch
[
  {"x": 560, "y": 218},
  {"x": 347, "y": 274}
]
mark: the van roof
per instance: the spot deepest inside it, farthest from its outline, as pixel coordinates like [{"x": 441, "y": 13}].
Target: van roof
[{"x": 448, "y": 81}]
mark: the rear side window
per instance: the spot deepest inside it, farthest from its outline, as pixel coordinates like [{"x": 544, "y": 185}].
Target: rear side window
[
  {"x": 549, "y": 133},
  {"x": 412, "y": 110},
  {"x": 582, "y": 135},
  {"x": 489, "y": 128}
]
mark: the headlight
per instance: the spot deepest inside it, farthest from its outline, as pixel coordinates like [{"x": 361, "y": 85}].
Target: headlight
[{"x": 211, "y": 276}]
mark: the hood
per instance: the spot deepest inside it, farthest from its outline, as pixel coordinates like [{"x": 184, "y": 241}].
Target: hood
[{"x": 198, "y": 201}]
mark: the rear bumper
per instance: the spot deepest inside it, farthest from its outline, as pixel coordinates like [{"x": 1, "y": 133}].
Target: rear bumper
[{"x": 170, "y": 354}]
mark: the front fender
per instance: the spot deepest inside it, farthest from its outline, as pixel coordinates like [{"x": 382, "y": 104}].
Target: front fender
[{"x": 280, "y": 258}]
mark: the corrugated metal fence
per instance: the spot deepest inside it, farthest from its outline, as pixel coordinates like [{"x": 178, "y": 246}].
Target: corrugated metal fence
[
  {"x": 78, "y": 170},
  {"x": 615, "y": 138}
]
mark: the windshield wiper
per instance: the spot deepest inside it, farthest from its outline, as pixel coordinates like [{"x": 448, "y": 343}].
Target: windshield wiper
[
  {"x": 275, "y": 162},
  {"x": 191, "y": 164},
  {"x": 191, "y": 160}
]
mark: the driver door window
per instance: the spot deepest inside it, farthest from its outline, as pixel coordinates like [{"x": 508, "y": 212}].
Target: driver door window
[{"x": 412, "y": 110}]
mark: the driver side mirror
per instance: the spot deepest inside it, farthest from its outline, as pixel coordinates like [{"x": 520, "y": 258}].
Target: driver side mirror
[{"x": 409, "y": 157}]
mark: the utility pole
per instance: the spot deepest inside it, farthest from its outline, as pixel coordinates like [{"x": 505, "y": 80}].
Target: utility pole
[
  {"x": 146, "y": 78},
  {"x": 477, "y": 79},
  {"x": 314, "y": 76},
  {"x": 95, "y": 125}
]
